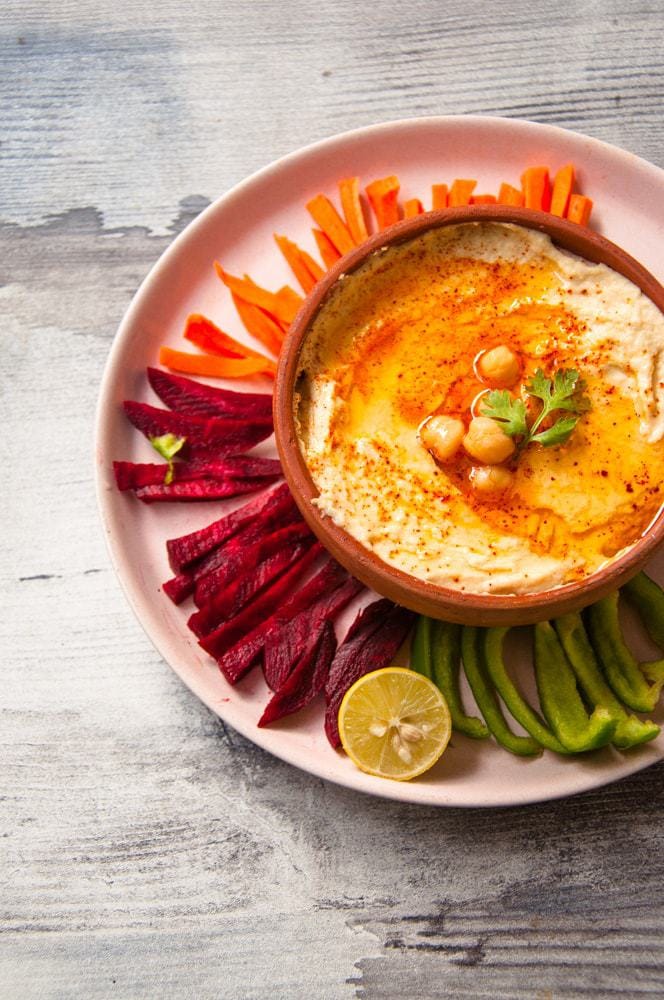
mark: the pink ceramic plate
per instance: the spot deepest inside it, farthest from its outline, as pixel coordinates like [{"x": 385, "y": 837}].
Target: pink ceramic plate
[{"x": 237, "y": 230}]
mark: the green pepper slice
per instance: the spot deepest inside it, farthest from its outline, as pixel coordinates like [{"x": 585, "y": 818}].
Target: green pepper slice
[
  {"x": 561, "y": 702},
  {"x": 476, "y": 672},
  {"x": 648, "y": 598},
  {"x": 620, "y": 666},
  {"x": 630, "y": 731},
  {"x": 420, "y": 647},
  {"x": 446, "y": 663},
  {"x": 492, "y": 642}
]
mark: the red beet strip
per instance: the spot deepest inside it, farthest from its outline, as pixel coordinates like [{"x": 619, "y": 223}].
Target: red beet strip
[
  {"x": 224, "y": 435},
  {"x": 239, "y": 557},
  {"x": 134, "y": 475},
  {"x": 229, "y": 602},
  {"x": 235, "y": 658},
  {"x": 201, "y": 489},
  {"x": 364, "y": 651},
  {"x": 284, "y": 643},
  {"x": 188, "y": 396},
  {"x": 287, "y": 528},
  {"x": 236, "y": 555},
  {"x": 186, "y": 549},
  {"x": 366, "y": 622},
  {"x": 244, "y": 628},
  {"x": 306, "y": 680},
  {"x": 178, "y": 588}
]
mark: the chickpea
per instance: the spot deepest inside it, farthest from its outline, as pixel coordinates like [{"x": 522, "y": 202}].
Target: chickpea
[
  {"x": 491, "y": 479},
  {"x": 500, "y": 367},
  {"x": 442, "y": 436},
  {"x": 487, "y": 441}
]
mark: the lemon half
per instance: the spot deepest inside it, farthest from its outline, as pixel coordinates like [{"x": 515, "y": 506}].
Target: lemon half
[{"x": 394, "y": 723}]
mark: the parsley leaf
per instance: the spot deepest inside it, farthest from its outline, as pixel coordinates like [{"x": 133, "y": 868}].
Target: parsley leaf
[
  {"x": 564, "y": 392},
  {"x": 557, "y": 434},
  {"x": 510, "y": 413},
  {"x": 168, "y": 445}
]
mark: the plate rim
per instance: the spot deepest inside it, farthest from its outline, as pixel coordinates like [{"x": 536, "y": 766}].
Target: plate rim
[{"x": 354, "y": 780}]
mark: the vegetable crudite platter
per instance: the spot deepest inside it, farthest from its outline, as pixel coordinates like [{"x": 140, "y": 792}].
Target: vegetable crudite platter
[{"x": 215, "y": 550}]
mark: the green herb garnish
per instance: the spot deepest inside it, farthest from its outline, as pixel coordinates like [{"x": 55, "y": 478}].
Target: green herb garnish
[
  {"x": 168, "y": 445},
  {"x": 564, "y": 392}
]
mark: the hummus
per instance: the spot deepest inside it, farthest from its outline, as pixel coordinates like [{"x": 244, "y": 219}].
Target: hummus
[{"x": 396, "y": 341}]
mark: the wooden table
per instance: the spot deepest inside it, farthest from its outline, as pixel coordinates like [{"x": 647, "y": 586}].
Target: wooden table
[{"x": 148, "y": 850}]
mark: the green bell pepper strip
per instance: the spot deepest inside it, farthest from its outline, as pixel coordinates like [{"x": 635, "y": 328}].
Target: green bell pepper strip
[
  {"x": 420, "y": 647},
  {"x": 630, "y": 731},
  {"x": 492, "y": 647},
  {"x": 648, "y": 598},
  {"x": 619, "y": 665},
  {"x": 485, "y": 696},
  {"x": 560, "y": 699},
  {"x": 446, "y": 662}
]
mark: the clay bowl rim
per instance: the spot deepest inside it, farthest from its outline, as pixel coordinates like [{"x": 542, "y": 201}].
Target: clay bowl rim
[{"x": 419, "y": 595}]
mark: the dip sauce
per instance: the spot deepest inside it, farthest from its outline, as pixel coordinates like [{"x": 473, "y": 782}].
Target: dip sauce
[{"x": 397, "y": 340}]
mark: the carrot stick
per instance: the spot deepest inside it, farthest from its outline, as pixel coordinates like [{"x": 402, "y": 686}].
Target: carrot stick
[
  {"x": 288, "y": 302},
  {"x": 439, "y": 196},
  {"x": 326, "y": 216},
  {"x": 303, "y": 266},
  {"x": 205, "y": 364},
  {"x": 509, "y": 195},
  {"x": 579, "y": 209},
  {"x": 536, "y": 188},
  {"x": 312, "y": 264},
  {"x": 205, "y": 334},
  {"x": 326, "y": 247},
  {"x": 460, "y": 192},
  {"x": 289, "y": 305},
  {"x": 412, "y": 207},
  {"x": 257, "y": 296},
  {"x": 483, "y": 199},
  {"x": 382, "y": 196},
  {"x": 562, "y": 189},
  {"x": 259, "y": 324},
  {"x": 349, "y": 190},
  {"x": 202, "y": 331}
]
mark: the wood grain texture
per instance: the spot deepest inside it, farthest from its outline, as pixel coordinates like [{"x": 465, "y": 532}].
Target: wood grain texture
[{"x": 148, "y": 850}]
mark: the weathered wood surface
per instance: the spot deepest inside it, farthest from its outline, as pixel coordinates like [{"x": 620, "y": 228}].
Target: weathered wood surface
[{"x": 147, "y": 850}]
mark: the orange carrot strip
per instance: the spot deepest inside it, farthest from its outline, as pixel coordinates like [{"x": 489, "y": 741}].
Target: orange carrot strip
[
  {"x": 382, "y": 195},
  {"x": 483, "y": 199},
  {"x": 257, "y": 296},
  {"x": 289, "y": 305},
  {"x": 288, "y": 300},
  {"x": 326, "y": 247},
  {"x": 412, "y": 207},
  {"x": 304, "y": 267},
  {"x": 438, "y": 196},
  {"x": 206, "y": 364},
  {"x": 326, "y": 216},
  {"x": 313, "y": 265},
  {"x": 562, "y": 188},
  {"x": 579, "y": 209},
  {"x": 536, "y": 188},
  {"x": 202, "y": 331},
  {"x": 349, "y": 190},
  {"x": 259, "y": 324},
  {"x": 509, "y": 195},
  {"x": 461, "y": 192}
]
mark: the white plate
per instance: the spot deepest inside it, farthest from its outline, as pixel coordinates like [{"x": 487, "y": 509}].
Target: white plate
[{"x": 237, "y": 230}]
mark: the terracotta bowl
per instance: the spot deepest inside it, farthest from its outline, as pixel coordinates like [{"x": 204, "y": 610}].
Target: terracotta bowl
[{"x": 421, "y": 596}]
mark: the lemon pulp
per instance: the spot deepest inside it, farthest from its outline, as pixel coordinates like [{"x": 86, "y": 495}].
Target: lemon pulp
[{"x": 394, "y": 723}]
